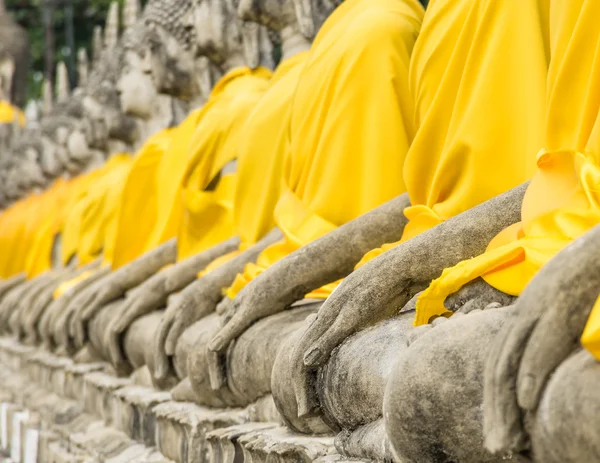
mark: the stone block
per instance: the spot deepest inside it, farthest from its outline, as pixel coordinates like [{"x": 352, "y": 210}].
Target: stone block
[
  {"x": 282, "y": 445},
  {"x": 134, "y": 413},
  {"x": 181, "y": 429},
  {"x": 74, "y": 377},
  {"x": 98, "y": 394}
]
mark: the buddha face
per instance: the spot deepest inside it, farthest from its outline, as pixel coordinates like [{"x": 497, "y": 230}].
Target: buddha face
[
  {"x": 102, "y": 107},
  {"x": 135, "y": 86},
  {"x": 171, "y": 65}
]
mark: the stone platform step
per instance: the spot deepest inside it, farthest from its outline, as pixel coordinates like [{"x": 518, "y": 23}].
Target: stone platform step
[{"x": 83, "y": 413}]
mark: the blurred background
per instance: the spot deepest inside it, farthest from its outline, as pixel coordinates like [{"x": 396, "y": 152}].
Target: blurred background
[{"x": 56, "y": 30}]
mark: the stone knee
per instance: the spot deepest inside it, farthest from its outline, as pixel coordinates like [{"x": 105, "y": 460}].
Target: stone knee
[
  {"x": 249, "y": 361},
  {"x": 350, "y": 386},
  {"x": 433, "y": 399},
  {"x": 565, "y": 426}
]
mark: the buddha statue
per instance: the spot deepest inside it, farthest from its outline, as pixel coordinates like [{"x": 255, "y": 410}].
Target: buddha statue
[
  {"x": 240, "y": 87},
  {"x": 364, "y": 306},
  {"x": 244, "y": 381},
  {"x": 138, "y": 95}
]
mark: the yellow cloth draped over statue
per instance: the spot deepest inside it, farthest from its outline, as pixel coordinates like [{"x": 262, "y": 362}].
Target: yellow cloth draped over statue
[
  {"x": 148, "y": 203},
  {"x": 351, "y": 124},
  {"x": 261, "y": 150},
  {"x": 15, "y": 228},
  {"x": 75, "y": 208},
  {"x": 9, "y": 114},
  {"x": 207, "y": 219},
  {"x": 562, "y": 202},
  {"x": 480, "y": 107},
  {"x": 39, "y": 256},
  {"x": 101, "y": 207}
]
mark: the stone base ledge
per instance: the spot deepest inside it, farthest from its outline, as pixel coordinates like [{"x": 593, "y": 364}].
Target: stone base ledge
[{"x": 83, "y": 413}]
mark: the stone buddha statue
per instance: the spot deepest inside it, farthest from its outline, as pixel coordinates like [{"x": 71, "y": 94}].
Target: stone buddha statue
[
  {"x": 306, "y": 364},
  {"x": 188, "y": 351},
  {"x": 226, "y": 52},
  {"x": 138, "y": 95}
]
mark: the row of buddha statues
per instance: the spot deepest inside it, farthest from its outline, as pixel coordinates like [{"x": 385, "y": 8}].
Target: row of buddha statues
[{"x": 381, "y": 215}]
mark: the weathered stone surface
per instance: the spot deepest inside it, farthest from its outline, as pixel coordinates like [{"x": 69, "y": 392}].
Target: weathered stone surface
[
  {"x": 97, "y": 396},
  {"x": 181, "y": 429},
  {"x": 433, "y": 400},
  {"x": 135, "y": 412}
]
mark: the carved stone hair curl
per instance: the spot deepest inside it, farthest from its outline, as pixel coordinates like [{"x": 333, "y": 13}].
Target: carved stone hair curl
[{"x": 171, "y": 15}]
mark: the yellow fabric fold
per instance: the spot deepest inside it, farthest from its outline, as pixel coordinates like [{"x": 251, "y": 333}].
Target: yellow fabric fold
[
  {"x": 262, "y": 146},
  {"x": 562, "y": 202},
  {"x": 9, "y": 114},
  {"x": 100, "y": 207},
  {"x": 351, "y": 124},
  {"x": 140, "y": 211},
  {"x": 264, "y": 143},
  {"x": 207, "y": 219},
  {"x": 74, "y": 209},
  {"x": 479, "y": 104},
  {"x": 39, "y": 255}
]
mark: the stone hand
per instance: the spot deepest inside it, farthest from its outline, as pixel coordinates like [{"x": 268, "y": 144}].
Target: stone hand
[
  {"x": 551, "y": 315},
  {"x": 11, "y": 283},
  {"x": 323, "y": 261},
  {"x": 153, "y": 293},
  {"x": 18, "y": 300},
  {"x": 384, "y": 285},
  {"x": 117, "y": 283},
  {"x": 58, "y": 306},
  {"x": 200, "y": 299}
]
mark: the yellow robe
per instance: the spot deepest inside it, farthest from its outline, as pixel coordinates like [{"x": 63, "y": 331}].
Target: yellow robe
[
  {"x": 208, "y": 215},
  {"x": 101, "y": 207},
  {"x": 562, "y": 201},
  {"x": 148, "y": 198},
  {"x": 39, "y": 256},
  {"x": 14, "y": 237},
  {"x": 473, "y": 83},
  {"x": 351, "y": 125},
  {"x": 261, "y": 150},
  {"x": 74, "y": 209},
  {"x": 9, "y": 114}
]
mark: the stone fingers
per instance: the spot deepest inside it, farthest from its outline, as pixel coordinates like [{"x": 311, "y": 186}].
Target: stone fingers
[
  {"x": 177, "y": 329},
  {"x": 246, "y": 313},
  {"x": 161, "y": 360},
  {"x": 310, "y": 353},
  {"x": 555, "y": 337},
  {"x": 113, "y": 341},
  {"x": 503, "y": 420}
]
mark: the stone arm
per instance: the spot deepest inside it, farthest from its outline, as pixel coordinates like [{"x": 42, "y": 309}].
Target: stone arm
[
  {"x": 323, "y": 261},
  {"x": 153, "y": 293},
  {"x": 116, "y": 284},
  {"x": 10, "y": 302},
  {"x": 381, "y": 288},
  {"x": 52, "y": 321},
  {"x": 198, "y": 300},
  {"x": 550, "y": 317},
  {"x": 31, "y": 318},
  {"x": 11, "y": 283},
  {"x": 27, "y": 301}
]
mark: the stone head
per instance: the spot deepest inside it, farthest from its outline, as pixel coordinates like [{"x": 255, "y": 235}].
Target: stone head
[
  {"x": 171, "y": 43},
  {"x": 226, "y": 39},
  {"x": 136, "y": 88}
]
